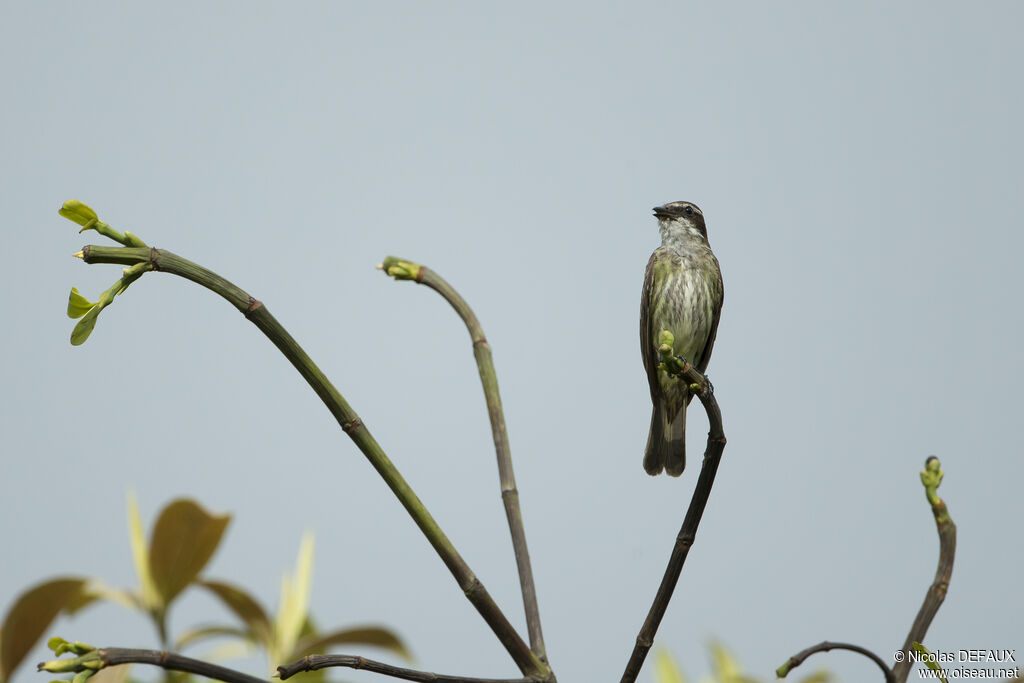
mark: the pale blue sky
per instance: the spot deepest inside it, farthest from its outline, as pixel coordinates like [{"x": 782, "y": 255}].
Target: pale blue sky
[{"x": 859, "y": 165}]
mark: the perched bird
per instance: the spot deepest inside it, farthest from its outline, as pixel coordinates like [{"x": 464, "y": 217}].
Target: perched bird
[{"x": 682, "y": 294}]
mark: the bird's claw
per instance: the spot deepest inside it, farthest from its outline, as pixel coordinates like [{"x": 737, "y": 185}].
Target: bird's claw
[{"x": 681, "y": 366}]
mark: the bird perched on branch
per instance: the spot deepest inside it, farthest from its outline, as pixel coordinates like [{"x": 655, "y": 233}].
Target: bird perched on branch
[{"x": 683, "y": 294}]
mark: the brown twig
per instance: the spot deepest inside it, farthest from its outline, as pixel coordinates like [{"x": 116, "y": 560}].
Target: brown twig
[
  {"x": 509, "y": 493},
  {"x": 824, "y": 646},
  {"x": 931, "y": 477},
  {"x": 316, "y": 662},
  {"x": 112, "y": 656},
  {"x": 685, "y": 538}
]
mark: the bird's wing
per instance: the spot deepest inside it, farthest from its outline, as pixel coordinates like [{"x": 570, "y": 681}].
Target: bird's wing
[
  {"x": 719, "y": 295},
  {"x": 647, "y": 332}
]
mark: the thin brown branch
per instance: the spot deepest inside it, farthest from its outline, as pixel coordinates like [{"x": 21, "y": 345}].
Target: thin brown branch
[
  {"x": 170, "y": 661},
  {"x": 688, "y": 531},
  {"x": 931, "y": 477},
  {"x": 824, "y": 646},
  {"x": 506, "y": 475},
  {"x": 316, "y": 662}
]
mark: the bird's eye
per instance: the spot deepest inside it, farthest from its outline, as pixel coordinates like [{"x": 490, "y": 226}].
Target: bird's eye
[{"x": 688, "y": 210}]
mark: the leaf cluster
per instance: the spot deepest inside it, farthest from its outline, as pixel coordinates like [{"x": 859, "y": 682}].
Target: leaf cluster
[{"x": 181, "y": 544}]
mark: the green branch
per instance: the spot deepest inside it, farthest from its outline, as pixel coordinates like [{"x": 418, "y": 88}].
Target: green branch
[{"x": 406, "y": 270}]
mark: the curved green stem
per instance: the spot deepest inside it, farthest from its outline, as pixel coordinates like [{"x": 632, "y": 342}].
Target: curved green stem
[{"x": 407, "y": 270}]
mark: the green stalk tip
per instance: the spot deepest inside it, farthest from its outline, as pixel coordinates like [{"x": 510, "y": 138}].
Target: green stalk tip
[{"x": 400, "y": 269}]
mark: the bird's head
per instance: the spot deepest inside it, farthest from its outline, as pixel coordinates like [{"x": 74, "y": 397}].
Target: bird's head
[{"x": 681, "y": 222}]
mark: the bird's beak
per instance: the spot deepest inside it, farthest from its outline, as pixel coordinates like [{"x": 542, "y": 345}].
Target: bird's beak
[{"x": 661, "y": 212}]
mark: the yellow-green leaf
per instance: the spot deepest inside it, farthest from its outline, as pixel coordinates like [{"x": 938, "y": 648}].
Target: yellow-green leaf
[
  {"x": 85, "y": 326},
  {"x": 665, "y": 668},
  {"x": 184, "y": 539},
  {"x": 78, "y": 305},
  {"x": 294, "y": 606},
  {"x": 137, "y": 536},
  {"x": 726, "y": 668},
  {"x": 112, "y": 674},
  {"x": 29, "y": 616},
  {"x": 367, "y": 635},
  {"x": 78, "y": 212},
  {"x": 95, "y": 590},
  {"x": 245, "y": 608},
  {"x": 918, "y": 647},
  {"x": 195, "y": 635}
]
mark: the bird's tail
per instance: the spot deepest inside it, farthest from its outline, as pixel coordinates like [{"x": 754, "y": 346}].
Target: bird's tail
[{"x": 666, "y": 442}]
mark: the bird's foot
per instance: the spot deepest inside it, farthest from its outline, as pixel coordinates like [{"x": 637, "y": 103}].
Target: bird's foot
[{"x": 707, "y": 388}]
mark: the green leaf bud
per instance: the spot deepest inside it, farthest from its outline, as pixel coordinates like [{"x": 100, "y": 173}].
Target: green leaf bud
[
  {"x": 78, "y": 305},
  {"x": 78, "y": 212}
]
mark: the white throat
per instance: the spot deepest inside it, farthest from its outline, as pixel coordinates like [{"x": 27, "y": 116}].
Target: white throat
[{"x": 678, "y": 233}]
